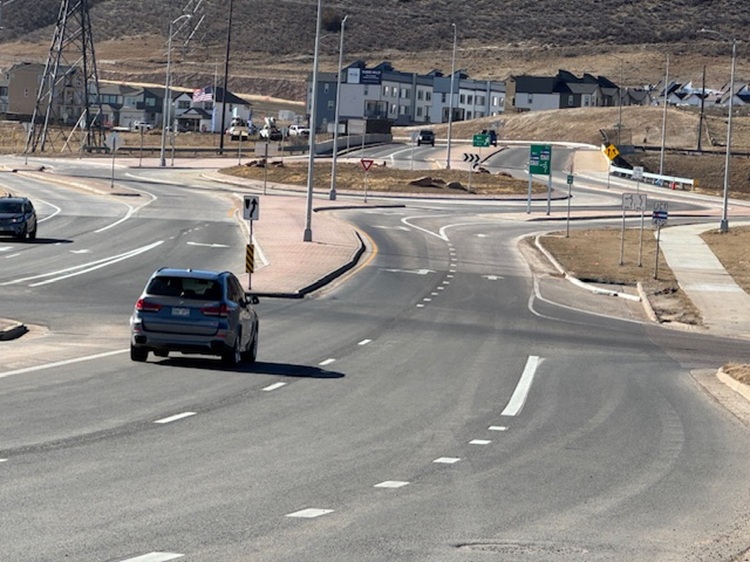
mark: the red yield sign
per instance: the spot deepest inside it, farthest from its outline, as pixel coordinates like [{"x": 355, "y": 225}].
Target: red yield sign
[{"x": 366, "y": 163}]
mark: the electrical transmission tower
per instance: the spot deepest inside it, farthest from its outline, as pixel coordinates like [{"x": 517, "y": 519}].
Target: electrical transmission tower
[{"x": 68, "y": 112}]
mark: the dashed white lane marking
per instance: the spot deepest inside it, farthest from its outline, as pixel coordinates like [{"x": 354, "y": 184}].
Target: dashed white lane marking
[
  {"x": 327, "y": 362},
  {"x": 12, "y": 255},
  {"x": 450, "y": 276},
  {"x": 364, "y": 342},
  {"x": 155, "y": 557},
  {"x": 6, "y": 248},
  {"x": 441, "y": 288},
  {"x": 497, "y": 428},
  {"x": 274, "y": 386},
  {"x": 446, "y": 282},
  {"x": 480, "y": 442},
  {"x": 447, "y": 460},
  {"x": 391, "y": 484},
  {"x": 420, "y": 306},
  {"x": 427, "y": 299},
  {"x": 175, "y": 417},
  {"x": 3, "y": 460},
  {"x": 518, "y": 398},
  {"x": 434, "y": 294},
  {"x": 80, "y": 251},
  {"x": 310, "y": 513}
]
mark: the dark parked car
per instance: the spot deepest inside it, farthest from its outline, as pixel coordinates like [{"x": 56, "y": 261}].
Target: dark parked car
[
  {"x": 426, "y": 136},
  {"x": 17, "y": 217},
  {"x": 195, "y": 311}
]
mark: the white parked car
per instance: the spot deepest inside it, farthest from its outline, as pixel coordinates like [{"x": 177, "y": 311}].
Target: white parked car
[{"x": 295, "y": 130}]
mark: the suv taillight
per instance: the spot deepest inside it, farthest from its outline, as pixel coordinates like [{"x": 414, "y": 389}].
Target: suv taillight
[
  {"x": 144, "y": 306},
  {"x": 222, "y": 311}
]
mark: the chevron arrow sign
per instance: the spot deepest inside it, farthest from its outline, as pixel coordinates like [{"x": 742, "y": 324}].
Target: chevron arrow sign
[{"x": 473, "y": 158}]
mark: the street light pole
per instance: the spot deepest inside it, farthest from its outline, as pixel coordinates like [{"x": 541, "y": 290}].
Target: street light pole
[
  {"x": 332, "y": 192},
  {"x": 724, "y": 225},
  {"x": 619, "y": 96},
  {"x": 167, "y": 97},
  {"x": 307, "y": 236},
  {"x": 226, "y": 82},
  {"x": 450, "y": 102}
]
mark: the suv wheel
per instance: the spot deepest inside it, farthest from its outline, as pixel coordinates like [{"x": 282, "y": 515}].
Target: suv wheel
[
  {"x": 233, "y": 356},
  {"x": 251, "y": 354},
  {"x": 32, "y": 234},
  {"x": 139, "y": 354}
]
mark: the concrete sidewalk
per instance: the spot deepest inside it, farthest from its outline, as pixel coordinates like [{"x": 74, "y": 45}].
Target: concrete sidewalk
[{"x": 724, "y": 306}]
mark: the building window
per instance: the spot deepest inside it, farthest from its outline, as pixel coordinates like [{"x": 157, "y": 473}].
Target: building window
[
  {"x": 420, "y": 95},
  {"x": 331, "y": 105},
  {"x": 386, "y": 90},
  {"x": 444, "y": 98},
  {"x": 428, "y": 95},
  {"x": 394, "y": 91},
  {"x": 570, "y": 101},
  {"x": 462, "y": 98},
  {"x": 480, "y": 100},
  {"x": 494, "y": 101},
  {"x": 468, "y": 115},
  {"x": 325, "y": 88},
  {"x": 470, "y": 100},
  {"x": 366, "y": 90},
  {"x": 531, "y": 99},
  {"x": 183, "y": 104},
  {"x": 403, "y": 110},
  {"x": 393, "y": 108},
  {"x": 419, "y": 112},
  {"x": 151, "y": 102},
  {"x": 406, "y": 93}
]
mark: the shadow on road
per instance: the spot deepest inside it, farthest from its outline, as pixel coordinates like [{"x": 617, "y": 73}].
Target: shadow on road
[{"x": 258, "y": 368}]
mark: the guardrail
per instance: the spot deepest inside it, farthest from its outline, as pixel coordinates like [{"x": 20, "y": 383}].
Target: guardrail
[{"x": 673, "y": 182}]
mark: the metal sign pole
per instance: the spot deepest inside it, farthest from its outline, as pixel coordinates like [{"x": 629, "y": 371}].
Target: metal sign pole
[
  {"x": 640, "y": 242},
  {"x": 549, "y": 191},
  {"x": 622, "y": 238},
  {"x": 114, "y": 151},
  {"x": 570, "y": 195},
  {"x": 528, "y": 202},
  {"x": 140, "y": 152},
  {"x": 265, "y": 166},
  {"x": 658, "y": 240},
  {"x": 366, "y": 186}
]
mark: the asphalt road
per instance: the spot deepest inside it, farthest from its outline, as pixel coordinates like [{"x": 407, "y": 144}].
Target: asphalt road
[{"x": 432, "y": 407}]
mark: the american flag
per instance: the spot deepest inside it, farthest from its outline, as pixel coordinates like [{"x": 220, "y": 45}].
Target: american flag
[{"x": 202, "y": 94}]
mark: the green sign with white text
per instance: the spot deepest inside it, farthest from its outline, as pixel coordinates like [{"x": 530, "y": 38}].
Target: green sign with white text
[
  {"x": 481, "y": 140},
  {"x": 540, "y": 159}
]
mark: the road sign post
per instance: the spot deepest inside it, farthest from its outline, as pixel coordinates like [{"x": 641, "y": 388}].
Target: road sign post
[
  {"x": 540, "y": 162},
  {"x": 473, "y": 160},
  {"x": 250, "y": 212},
  {"x": 366, "y": 163},
  {"x": 570, "y": 196},
  {"x": 659, "y": 218},
  {"x": 632, "y": 202}
]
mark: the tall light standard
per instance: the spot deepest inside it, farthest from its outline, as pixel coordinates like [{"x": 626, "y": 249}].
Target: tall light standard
[
  {"x": 307, "y": 236},
  {"x": 167, "y": 95},
  {"x": 724, "y": 226},
  {"x": 332, "y": 192},
  {"x": 619, "y": 92},
  {"x": 450, "y": 102}
]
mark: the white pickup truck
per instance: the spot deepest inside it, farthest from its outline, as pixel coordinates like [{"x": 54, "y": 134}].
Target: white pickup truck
[{"x": 295, "y": 130}]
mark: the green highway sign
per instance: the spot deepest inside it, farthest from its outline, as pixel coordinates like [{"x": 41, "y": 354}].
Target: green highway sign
[
  {"x": 481, "y": 140},
  {"x": 540, "y": 159}
]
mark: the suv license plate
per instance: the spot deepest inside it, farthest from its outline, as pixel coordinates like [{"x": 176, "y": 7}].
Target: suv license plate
[{"x": 176, "y": 311}]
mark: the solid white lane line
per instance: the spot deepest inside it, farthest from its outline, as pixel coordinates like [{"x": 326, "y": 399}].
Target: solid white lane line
[
  {"x": 274, "y": 386},
  {"x": 497, "y": 428},
  {"x": 12, "y": 255},
  {"x": 447, "y": 460},
  {"x": 391, "y": 484},
  {"x": 327, "y": 362},
  {"x": 480, "y": 442},
  {"x": 3, "y": 460},
  {"x": 175, "y": 417},
  {"x": 156, "y": 557},
  {"x": 364, "y": 342},
  {"x": 85, "y": 267},
  {"x": 310, "y": 513},
  {"x": 61, "y": 363},
  {"x": 517, "y": 400}
]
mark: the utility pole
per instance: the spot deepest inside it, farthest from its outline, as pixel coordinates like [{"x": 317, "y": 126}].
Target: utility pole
[
  {"x": 226, "y": 77},
  {"x": 703, "y": 105}
]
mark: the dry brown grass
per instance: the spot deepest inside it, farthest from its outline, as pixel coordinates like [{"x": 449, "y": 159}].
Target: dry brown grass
[
  {"x": 385, "y": 179},
  {"x": 738, "y": 371}
]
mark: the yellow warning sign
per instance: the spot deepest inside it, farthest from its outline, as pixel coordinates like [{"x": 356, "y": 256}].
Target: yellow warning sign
[
  {"x": 611, "y": 152},
  {"x": 249, "y": 258}
]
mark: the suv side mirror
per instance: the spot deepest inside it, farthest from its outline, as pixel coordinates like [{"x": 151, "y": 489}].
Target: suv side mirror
[{"x": 251, "y": 298}]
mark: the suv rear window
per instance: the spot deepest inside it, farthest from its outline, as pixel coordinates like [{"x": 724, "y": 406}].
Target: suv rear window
[{"x": 185, "y": 287}]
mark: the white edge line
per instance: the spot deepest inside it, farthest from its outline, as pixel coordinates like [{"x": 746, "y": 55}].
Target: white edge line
[
  {"x": 274, "y": 386},
  {"x": 518, "y": 398},
  {"x": 176, "y": 417},
  {"x": 156, "y": 557},
  {"x": 364, "y": 342},
  {"x": 61, "y": 363},
  {"x": 327, "y": 362}
]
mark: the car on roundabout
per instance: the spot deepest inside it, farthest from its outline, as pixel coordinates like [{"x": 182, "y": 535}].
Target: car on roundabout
[
  {"x": 195, "y": 311},
  {"x": 17, "y": 217},
  {"x": 426, "y": 136}
]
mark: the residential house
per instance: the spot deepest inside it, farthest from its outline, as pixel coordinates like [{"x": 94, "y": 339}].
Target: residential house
[
  {"x": 205, "y": 109},
  {"x": 565, "y": 90}
]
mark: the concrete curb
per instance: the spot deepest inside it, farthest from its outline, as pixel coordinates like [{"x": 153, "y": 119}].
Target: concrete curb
[
  {"x": 582, "y": 284},
  {"x": 324, "y": 280},
  {"x": 13, "y": 331},
  {"x": 734, "y": 384},
  {"x": 646, "y": 303}
]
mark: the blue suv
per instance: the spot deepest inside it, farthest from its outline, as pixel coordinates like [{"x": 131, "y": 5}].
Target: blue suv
[{"x": 17, "y": 217}]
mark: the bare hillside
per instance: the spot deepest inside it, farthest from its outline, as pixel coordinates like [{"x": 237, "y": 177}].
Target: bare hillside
[{"x": 272, "y": 42}]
